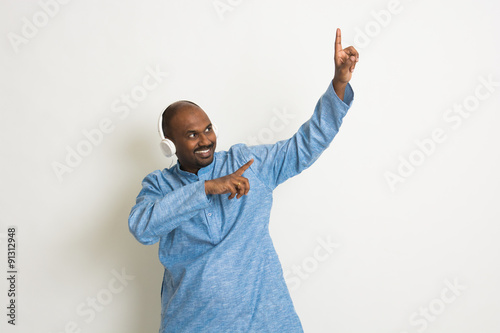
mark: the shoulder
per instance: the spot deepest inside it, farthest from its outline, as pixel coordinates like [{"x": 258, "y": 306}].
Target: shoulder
[
  {"x": 236, "y": 149},
  {"x": 161, "y": 172},
  {"x": 245, "y": 151},
  {"x": 159, "y": 176},
  {"x": 158, "y": 182},
  {"x": 234, "y": 152}
]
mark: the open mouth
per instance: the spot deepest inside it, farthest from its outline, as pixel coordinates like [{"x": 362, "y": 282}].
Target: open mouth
[{"x": 205, "y": 152}]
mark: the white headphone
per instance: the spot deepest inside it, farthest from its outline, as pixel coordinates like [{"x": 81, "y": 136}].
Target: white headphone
[{"x": 166, "y": 145}]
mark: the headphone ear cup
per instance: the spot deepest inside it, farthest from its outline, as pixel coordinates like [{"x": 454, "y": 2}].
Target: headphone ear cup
[{"x": 167, "y": 147}]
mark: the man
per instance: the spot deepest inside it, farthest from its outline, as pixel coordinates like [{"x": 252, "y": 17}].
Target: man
[{"x": 210, "y": 213}]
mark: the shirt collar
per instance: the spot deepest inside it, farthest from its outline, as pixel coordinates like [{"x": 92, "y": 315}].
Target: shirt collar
[{"x": 203, "y": 171}]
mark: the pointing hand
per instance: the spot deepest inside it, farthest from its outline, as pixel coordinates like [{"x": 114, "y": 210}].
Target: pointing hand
[
  {"x": 233, "y": 183},
  {"x": 345, "y": 60}
]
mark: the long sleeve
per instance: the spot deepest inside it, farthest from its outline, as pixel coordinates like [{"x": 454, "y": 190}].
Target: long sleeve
[
  {"x": 156, "y": 214},
  {"x": 277, "y": 162}
]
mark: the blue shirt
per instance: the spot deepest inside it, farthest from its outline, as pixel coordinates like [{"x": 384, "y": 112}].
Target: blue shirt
[{"x": 222, "y": 273}]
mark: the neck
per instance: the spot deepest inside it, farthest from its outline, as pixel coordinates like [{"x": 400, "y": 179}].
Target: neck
[{"x": 190, "y": 170}]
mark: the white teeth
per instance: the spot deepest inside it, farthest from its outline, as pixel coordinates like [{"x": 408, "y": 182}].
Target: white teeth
[{"x": 202, "y": 151}]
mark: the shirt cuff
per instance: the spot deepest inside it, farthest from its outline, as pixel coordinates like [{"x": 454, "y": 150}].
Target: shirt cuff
[{"x": 348, "y": 95}]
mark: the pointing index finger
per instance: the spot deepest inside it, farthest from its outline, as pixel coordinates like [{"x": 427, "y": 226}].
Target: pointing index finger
[
  {"x": 338, "y": 41},
  {"x": 244, "y": 167}
]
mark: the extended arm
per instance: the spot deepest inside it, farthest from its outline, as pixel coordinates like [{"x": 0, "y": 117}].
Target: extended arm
[{"x": 276, "y": 163}]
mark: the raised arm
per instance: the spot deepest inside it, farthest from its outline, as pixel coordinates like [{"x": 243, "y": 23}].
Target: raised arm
[{"x": 276, "y": 163}]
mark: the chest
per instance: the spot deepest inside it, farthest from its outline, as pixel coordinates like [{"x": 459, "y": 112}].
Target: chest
[{"x": 230, "y": 221}]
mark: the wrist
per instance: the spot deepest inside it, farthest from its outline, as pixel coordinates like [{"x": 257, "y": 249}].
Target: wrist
[
  {"x": 339, "y": 87},
  {"x": 338, "y": 82},
  {"x": 207, "y": 186}
]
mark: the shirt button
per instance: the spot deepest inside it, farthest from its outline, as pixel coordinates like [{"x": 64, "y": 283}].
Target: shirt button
[{"x": 209, "y": 214}]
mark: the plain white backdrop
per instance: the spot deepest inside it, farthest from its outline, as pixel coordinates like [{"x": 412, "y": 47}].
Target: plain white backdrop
[{"x": 408, "y": 191}]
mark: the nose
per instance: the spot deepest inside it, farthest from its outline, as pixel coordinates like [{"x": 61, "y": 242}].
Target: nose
[{"x": 204, "y": 140}]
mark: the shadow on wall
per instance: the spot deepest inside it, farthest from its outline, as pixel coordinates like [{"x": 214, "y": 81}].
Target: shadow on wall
[{"x": 138, "y": 290}]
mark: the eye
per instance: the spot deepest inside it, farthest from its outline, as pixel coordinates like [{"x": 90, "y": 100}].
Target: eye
[
  {"x": 192, "y": 135},
  {"x": 208, "y": 129}
]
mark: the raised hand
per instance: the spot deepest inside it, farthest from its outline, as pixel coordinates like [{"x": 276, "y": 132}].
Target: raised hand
[
  {"x": 233, "y": 183},
  {"x": 345, "y": 62}
]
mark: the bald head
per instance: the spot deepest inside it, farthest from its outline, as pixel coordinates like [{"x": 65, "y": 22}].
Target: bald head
[{"x": 171, "y": 111}]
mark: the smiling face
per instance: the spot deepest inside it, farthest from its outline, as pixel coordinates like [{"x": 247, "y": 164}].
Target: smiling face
[{"x": 191, "y": 131}]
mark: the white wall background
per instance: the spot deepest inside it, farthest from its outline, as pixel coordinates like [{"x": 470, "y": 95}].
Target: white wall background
[{"x": 397, "y": 246}]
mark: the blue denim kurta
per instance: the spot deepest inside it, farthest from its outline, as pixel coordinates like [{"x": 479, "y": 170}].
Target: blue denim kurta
[{"x": 222, "y": 273}]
